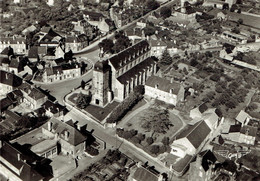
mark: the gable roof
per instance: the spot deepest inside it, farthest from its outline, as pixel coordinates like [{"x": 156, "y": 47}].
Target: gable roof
[
  {"x": 132, "y": 72},
  {"x": 163, "y": 84},
  {"x": 117, "y": 60},
  {"x": 157, "y": 43},
  {"x": 208, "y": 158},
  {"x": 20, "y": 167},
  {"x": 196, "y": 133},
  {"x": 75, "y": 137},
  {"x": 241, "y": 117},
  {"x": 36, "y": 94},
  {"x": 5, "y": 103},
  {"x": 142, "y": 174},
  {"x": 249, "y": 130},
  {"x": 33, "y": 52},
  {"x": 234, "y": 128},
  {"x": 10, "y": 79}
]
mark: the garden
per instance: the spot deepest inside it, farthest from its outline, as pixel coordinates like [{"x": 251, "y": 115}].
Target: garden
[{"x": 151, "y": 129}]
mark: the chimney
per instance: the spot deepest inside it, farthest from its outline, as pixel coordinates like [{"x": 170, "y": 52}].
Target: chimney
[
  {"x": 49, "y": 126},
  {"x": 18, "y": 156},
  {"x": 78, "y": 127},
  {"x": 171, "y": 90},
  {"x": 139, "y": 164},
  {"x": 6, "y": 76},
  {"x": 66, "y": 135},
  {"x": 1, "y": 143},
  {"x": 156, "y": 86},
  {"x": 171, "y": 80}
]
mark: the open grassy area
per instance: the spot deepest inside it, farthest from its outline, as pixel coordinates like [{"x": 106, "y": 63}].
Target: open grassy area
[
  {"x": 99, "y": 112},
  {"x": 152, "y": 124}
]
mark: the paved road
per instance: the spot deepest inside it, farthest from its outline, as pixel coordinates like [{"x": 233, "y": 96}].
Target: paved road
[{"x": 59, "y": 90}]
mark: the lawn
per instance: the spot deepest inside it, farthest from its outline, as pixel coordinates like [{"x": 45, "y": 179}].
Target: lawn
[
  {"x": 99, "y": 112},
  {"x": 145, "y": 123}
]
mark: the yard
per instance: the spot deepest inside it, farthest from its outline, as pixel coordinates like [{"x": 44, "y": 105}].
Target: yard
[
  {"x": 151, "y": 128},
  {"x": 97, "y": 112}
]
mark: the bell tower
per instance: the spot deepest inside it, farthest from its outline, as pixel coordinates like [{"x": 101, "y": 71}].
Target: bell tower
[{"x": 101, "y": 84}]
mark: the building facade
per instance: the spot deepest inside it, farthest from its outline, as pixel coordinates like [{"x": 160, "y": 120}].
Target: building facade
[{"x": 164, "y": 90}]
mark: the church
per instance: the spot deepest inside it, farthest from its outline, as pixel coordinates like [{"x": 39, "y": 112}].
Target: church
[{"x": 115, "y": 77}]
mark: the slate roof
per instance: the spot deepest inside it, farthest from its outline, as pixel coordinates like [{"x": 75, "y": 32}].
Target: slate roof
[
  {"x": 10, "y": 154},
  {"x": 134, "y": 32},
  {"x": 196, "y": 133},
  {"x": 119, "y": 58},
  {"x": 234, "y": 128},
  {"x": 203, "y": 107},
  {"x": 5, "y": 103},
  {"x": 36, "y": 94},
  {"x": 208, "y": 158},
  {"x": 242, "y": 115},
  {"x": 249, "y": 130},
  {"x": 75, "y": 137},
  {"x": 33, "y": 52},
  {"x": 101, "y": 66},
  {"x": 142, "y": 174},
  {"x": 157, "y": 43},
  {"x": 14, "y": 63},
  {"x": 4, "y": 60},
  {"x": 163, "y": 84},
  {"x": 10, "y": 79},
  {"x": 53, "y": 107},
  {"x": 135, "y": 70}
]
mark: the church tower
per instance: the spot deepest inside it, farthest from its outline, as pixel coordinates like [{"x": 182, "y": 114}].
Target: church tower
[{"x": 101, "y": 84}]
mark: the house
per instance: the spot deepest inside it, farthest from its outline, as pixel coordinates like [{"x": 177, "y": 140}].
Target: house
[
  {"x": 242, "y": 39},
  {"x": 92, "y": 16},
  {"x": 164, "y": 90},
  {"x": 227, "y": 52},
  {"x": 141, "y": 23},
  {"x": 106, "y": 25},
  {"x": 50, "y": 38},
  {"x": 6, "y": 104},
  {"x": 53, "y": 109},
  {"x": 190, "y": 140},
  {"x": 29, "y": 29},
  {"x": 17, "y": 43},
  {"x": 8, "y": 82},
  {"x": 33, "y": 97},
  {"x": 134, "y": 34},
  {"x": 62, "y": 72},
  {"x": 128, "y": 68},
  {"x": 14, "y": 165},
  {"x": 70, "y": 139},
  {"x": 215, "y": 4},
  {"x": 33, "y": 55},
  {"x": 243, "y": 117},
  {"x": 142, "y": 174},
  {"x": 222, "y": 15},
  {"x": 203, "y": 167},
  {"x": 242, "y": 134},
  {"x": 198, "y": 111},
  {"x": 76, "y": 43},
  {"x": 157, "y": 48}
]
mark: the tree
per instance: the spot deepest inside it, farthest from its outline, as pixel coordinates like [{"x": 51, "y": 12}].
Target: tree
[
  {"x": 82, "y": 84},
  {"x": 166, "y": 12},
  {"x": 106, "y": 45},
  {"x": 152, "y": 5},
  {"x": 83, "y": 100},
  {"x": 122, "y": 42},
  {"x": 166, "y": 140},
  {"x": 149, "y": 140},
  {"x": 154, "y": 149},
  {"x": 166, "y": 58},
  {"x": 149, "y": 31}
]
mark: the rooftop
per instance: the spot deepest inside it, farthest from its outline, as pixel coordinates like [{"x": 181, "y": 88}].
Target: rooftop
[
  {"x": 163, "y": 84},
  {"x": 75, "y": 137},
  {"x": 142, "y": 174}
]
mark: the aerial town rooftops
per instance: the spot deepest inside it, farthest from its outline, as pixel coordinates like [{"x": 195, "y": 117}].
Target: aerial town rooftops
[{"x": 12, "y": 40}]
